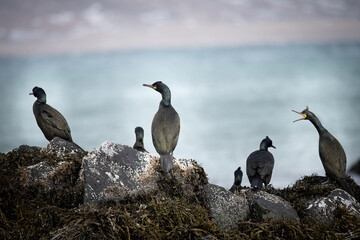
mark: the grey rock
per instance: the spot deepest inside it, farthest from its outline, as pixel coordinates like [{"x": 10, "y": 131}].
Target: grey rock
[
  {"x": 62, "y": 148},
  {"x": 226, "y": 208},
  {"x": 268, "y": 206},
  {"x": 322, "y": 209},
  {"x": 115, "y": 171}
]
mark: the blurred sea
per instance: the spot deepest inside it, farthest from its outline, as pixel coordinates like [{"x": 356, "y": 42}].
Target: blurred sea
[{"x": 228, "y": 100}]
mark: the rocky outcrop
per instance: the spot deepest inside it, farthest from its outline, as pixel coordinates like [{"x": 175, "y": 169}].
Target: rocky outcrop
[
  {"x": 113, "y": 172},
  {"x": 116, "y": 192},
  {"x": 322, "y": 209},
  {"x": 227, "y": 208},
  {"x": 265, "y": 206}
]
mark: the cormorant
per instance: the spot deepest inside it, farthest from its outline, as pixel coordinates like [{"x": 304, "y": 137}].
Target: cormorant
[
  {"x": 236, "y": 187},
  {"x": 260, "y": 164},
  {"x": 165, "y": 126},
  {"x": 139, "y": 143},
  {"x": 238, "y": 174},
  {"x": 331, "y": 152},
  {"x": 49, "y": 120}
]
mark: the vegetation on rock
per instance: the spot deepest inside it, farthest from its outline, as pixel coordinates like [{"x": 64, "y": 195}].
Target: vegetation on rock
[{"x": 174, "y": 212}]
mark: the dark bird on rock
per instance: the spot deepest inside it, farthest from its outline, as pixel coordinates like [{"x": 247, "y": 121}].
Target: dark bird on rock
[
  {"x": 139, "y": 143},
  {"x": 260, "y": 164},
  {"x": 331, "y": 152},
  {"x": 165, "y": 126},
  {"x": 236, "y": 187},
  {"x": 49, "y": 120},
  {"x": 238, "y": 174}
]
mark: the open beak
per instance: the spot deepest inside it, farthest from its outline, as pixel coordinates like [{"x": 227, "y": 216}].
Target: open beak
[
  {"x": 303, "y": 115},
  {"x": 150, "y": 86}
]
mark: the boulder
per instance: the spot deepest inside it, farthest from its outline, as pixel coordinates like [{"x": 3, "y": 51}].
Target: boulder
[
  {"x": 322, "y": 209},
  {"x": 58, "y": 166},
  {"x": 227, "y": 208},
  {"x": 62, "y": 148},
  {"x": 265, "y": 206},
  {"x": 114, "y": 171}
]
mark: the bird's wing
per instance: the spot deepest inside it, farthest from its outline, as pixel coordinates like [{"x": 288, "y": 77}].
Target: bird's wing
[
  {"x": 251, "y": 166},
  {"x": 333, "y": 156},
  {"x": 267, "y": 167},
  {"x": 165, "y": 130},
  {"x": 56, "y": 123}
]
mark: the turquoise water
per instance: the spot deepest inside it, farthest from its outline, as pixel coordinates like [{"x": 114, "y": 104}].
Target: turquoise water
[{"x": 228, "y": 100}]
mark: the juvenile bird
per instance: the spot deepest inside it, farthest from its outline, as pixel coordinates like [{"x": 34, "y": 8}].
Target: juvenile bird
[
  {"x": 165, "y": 127},
  {"x": 139, "y": 143},
  {"x": 260, "y": 164}
]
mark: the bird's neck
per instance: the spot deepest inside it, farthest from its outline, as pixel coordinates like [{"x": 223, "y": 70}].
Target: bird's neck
[
  {"x": 263, "y": 146},
  {"x": 42, "y": 99},
  {"x": 166, "y": 98},
  {"x": 139, "y": 142},
  {"x": 316, "y": 122}
]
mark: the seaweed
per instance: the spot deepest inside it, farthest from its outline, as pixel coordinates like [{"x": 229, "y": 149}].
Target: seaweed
[{"x": 177, "y": 210}]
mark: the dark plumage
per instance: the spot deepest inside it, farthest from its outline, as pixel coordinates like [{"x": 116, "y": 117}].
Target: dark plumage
[
  {"x": 238, "y": 174},
  {"x": 331, "y": 152},
  {"x": 165, "y": 127},
  {"x": 260, "y": 164},
  {"x": 49, "y": 120},
  {"x": 139, "y": 143}
]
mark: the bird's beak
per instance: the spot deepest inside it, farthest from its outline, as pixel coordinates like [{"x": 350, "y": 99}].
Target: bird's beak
[
  {"x": 150, "y": 86},
  {"x": 303, "y": 115},
  {"x": 273, "y": 147},
  {"x": 31, "y": 93}
]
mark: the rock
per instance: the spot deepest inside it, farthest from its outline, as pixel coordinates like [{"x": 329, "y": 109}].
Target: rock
[
  {"x": 62, "y": 148},
  {"x": 227, "y": 208},
  {"x": 322, "y": 209},
  {"x": 114, "y": 172},
  {"x": 265, "y": 206}
]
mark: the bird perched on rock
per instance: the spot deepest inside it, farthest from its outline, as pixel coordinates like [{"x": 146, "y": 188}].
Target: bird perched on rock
[
  {"x": 139, "y": 143},
  {"x": 49, "y": 120},
  {"x": 238, "y": 174},
  {"x": 165, "y": 126},
  {"x": 260, "y": 164},
  {"x": 331, "y": 152}
]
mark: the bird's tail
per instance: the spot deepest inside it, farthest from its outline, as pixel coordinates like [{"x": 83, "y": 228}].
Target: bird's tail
[
  {"x": 345, "y": 185},
  {"x": 166, "y": 162},
  {"x": 256, "y": 183}
]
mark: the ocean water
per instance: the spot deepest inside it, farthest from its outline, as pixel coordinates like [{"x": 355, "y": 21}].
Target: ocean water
[{"x": 228, "y": 100}]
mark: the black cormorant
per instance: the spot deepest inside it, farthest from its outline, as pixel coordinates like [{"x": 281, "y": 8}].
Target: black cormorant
[
  {"x": 260, "y": 164},
  {"x": 165, "y": 126},
  {"x": 331, "y": 152},
  {"x": 139, "y": 143},
  {"x": 236, "y": 187},
  {"x": 49, "y": 120},
  {"x": 238, "y": 174}
]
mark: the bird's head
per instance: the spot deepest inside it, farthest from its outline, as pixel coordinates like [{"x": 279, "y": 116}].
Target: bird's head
[
  {"x": 139, "y": 130},
  {"x": 266, "y": 143},
  {"x": 39, "y": 93},
  {"x": 158, "y": 86},
  {"x": 306, "y": 114}
]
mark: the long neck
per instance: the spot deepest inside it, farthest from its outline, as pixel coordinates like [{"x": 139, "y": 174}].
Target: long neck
[
  {"x": 263, "y": 146},
  {"x": 166, "y": 98},
  {"x": 316, "y": 122},
  {"x": 42, "y": 99}
]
